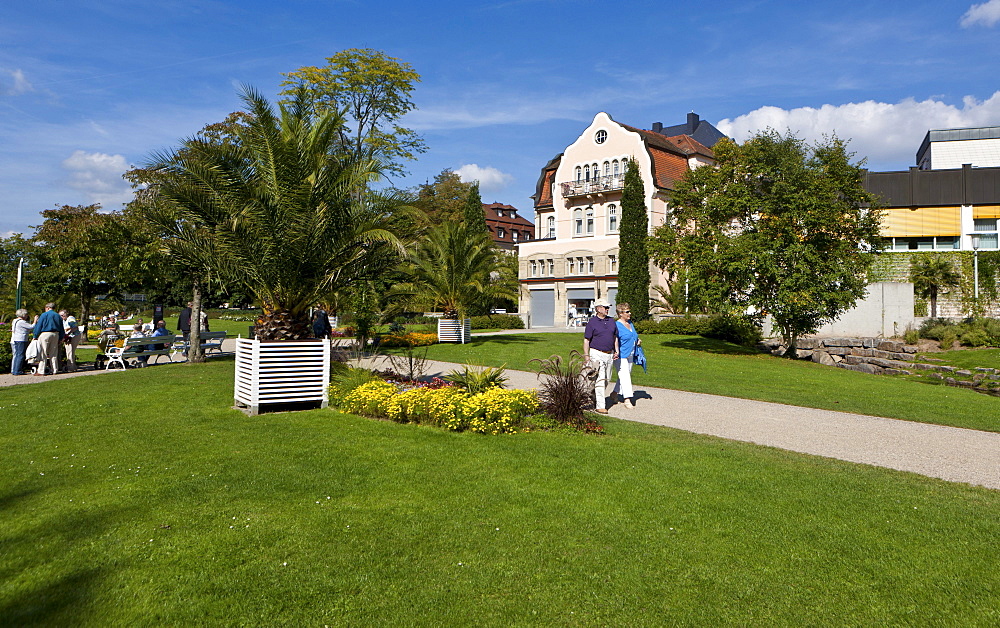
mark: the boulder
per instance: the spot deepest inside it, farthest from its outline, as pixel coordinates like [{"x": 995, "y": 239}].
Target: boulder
[
  {"x": 891, "y": 345},
  {"x": 871, "y": 369},
  {"x": 896, "y": 372},
  {"x": 841, "y": 342},
  {"x": 910, "y": 348},
  {"x": 822, "y": 357},
  {"x": 803, "y": 354},
  {"x": 807, "y": 343}
]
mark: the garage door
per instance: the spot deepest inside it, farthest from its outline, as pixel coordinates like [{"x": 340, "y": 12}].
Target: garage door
[
  {"x": 612, "y": 294},
  {"x": 543, "y": 308}
]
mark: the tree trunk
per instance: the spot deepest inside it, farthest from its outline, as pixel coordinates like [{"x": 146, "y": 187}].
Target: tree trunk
[
  {"x": 195, "y": 353},
  {"x": 933, "y": 303},
  {"x": 84, "y": 321}
]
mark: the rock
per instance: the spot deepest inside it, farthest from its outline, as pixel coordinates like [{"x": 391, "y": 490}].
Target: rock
[
  {"x": 910, "y": 348},
  {"x": 871, "y": 369},
  {"x": 853, "y": 359},
  {"x": 869, "y": 343},
  {"x": 983, "y": 369},
  {"x": 770, "y": 343},
  {"x": 865, "y": 353},
  {"x": 924, "y": 367},
  {"x": 889, "y": 364},
  {"x": 892, "y": 355},
  {"x": 935, "y": 375},
  {"x": 947, "y": 369},
  {"x": 842, "y": 342},
  {"x": 803, "y": 354},
  {"x": 822, "y": 357},
  {"x": 837, "y": 358},
  {"x": 807, "y": 343},
  {"x": 836, "y": 350},
  {"x": 891, "y": 345},
  {"x": 897, "y": 372}
]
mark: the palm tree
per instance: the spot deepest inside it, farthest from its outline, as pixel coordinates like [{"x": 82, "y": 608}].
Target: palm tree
[
  {"x": 284, "y": 210},
  {"x": 453, "y": 268},
  {"x": 931, "y": 274}
]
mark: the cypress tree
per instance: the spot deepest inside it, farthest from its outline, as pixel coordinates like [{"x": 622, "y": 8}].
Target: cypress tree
[
  {"x": 475, "y": 220},
  {"x": 633, "y": 259}
]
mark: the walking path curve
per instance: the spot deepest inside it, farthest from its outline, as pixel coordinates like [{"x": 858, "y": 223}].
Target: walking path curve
[{"x": 949, "y": 453}]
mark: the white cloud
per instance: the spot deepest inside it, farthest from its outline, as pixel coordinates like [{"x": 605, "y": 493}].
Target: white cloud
[
  {"x": 986, "y": 13},
  {"x": 19, "y": 85},
  {"x": 888, "y": 134},
  {"x": 99, "y": 177},
  {"x": 490, "y": 179}
]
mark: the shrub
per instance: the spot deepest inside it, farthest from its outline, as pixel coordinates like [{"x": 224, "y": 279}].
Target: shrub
[
  {"x": 410, "y": 364},
  {"x": 911, "y": 336},
  {"x": 497, "y": 321},
  {"x": 369, "y": 399},
  {"x": 407, "y": 339},
  {"x": 948, "y": 338},
  {"x": 346, "y": 379},
  {"x": 681, "y": 325},
  {"x": 6, "y": 354},
  {"x": 976, "y": 338},
  {"x": 397, "y": 326},
  {"x": 431, "y": 406},
  {"x": 499, "y": 411},
  {"x": 477, "y": 380},
  {"x": 932, "y": 323},
  {"x": 563, "y": 394},
  {"x": 736, "y": 329}
]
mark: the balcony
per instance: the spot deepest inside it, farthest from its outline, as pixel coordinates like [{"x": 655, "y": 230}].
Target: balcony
[{"x": 599, "y": 185}]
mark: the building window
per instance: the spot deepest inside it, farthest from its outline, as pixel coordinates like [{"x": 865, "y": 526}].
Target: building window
[
  {"x": 578, "y": 222},
  {"x": 586, "y": 173},
  {"x": 607, "y": 169},
  {"x": 550, "y": 224},
  {"x": 590, "y": 265},
  {"x": 986, "y": 230},
  {"x": 590, "y": 221},
  {"x": 533, "y": 268},
  {"x": 500, "y": 213},
  {"x": 579, "y": 175},
  {"x": 939, "y": 243},
  {"x": 572, "y": 266},
  {"x": 601, "y": 136},
  {"x": 500, "y": 233},
  {"x": 612, "y": 218},
  {"x": 552, "y": 267},
  {"x": 614, "y": 168},
  {"x": 612, "y": 263},
  {"x": 513, "y": 235}
]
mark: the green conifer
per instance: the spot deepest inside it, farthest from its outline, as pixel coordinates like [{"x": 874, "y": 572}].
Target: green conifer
[{"x": 633, "y": 259}]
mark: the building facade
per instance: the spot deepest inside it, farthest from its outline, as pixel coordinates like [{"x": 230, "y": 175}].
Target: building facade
[
  {"x": 944, "y": 149},
  {"x": 507, "y": 228},
  {"x": 573, "y": 259}
]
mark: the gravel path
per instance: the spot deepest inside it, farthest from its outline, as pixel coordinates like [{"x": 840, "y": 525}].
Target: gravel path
[{"x": 948, "y": 453}]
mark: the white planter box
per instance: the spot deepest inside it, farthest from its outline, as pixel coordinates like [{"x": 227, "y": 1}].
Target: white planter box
[
  {"x": 275, "y": 371},
  {"x": 454, "y": 331}
]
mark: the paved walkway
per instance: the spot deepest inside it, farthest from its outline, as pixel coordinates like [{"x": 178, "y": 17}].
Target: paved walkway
[{"x": 949, "y": 453}]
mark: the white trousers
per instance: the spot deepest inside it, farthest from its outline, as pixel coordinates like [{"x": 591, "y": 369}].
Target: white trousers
[
  {"x": 603, "y": 363},
  {"x": 48, "y": 348},
  {"x": 625, "y": 377}
]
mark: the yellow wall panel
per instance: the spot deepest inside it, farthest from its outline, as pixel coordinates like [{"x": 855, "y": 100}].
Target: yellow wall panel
[{"x": 923, "y": 221}]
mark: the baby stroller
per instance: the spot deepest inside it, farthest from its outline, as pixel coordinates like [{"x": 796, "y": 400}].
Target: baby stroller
[{"x": 33, "y": 355}]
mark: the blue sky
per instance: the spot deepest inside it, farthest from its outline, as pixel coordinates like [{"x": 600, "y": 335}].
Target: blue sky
[{"x": 88, "y": 88}]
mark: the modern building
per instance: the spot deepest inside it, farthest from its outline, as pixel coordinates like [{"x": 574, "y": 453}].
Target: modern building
[
  {"x": 944, "y": 149},
  {"x": 507, "y": 228},
  {"x": 573, "y": 259}
]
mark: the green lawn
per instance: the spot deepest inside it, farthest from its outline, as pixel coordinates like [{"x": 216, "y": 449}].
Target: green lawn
[
  {"x": 709, "y": 366},
  {"x": 148, "y": 501},
  {"x": 987, "y": 357}
]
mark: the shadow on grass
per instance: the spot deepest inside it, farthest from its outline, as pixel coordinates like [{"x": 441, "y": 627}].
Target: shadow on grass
[
  {"x": 59, "y": 600},
  {"x": 708, "y": 345}
]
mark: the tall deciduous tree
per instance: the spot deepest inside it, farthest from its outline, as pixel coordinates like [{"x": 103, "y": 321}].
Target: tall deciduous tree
[
  {"x": 633, "y": 259},
  {"x": 779, "y": 228},
  {"x": 372, "y": 91},
  {"x": 443, "y": 199},
  {"x": 931, "y": 274},
  {"x": 282, "y": 211}
]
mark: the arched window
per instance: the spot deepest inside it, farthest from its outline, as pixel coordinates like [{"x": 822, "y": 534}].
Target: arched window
[
  {"x": 614, "y": 168},
  {"x": 590, "y": 220},
  {"x": 597, "y": 172},
  {"x": 579, "y": 174},
  {"x": 607, "y": 169},
  {"x": 550, "y": 224},
  {"x": 612, "y": 218},
  {"x": 586, "y": 173},
  {"x": 578, "y": 222}
]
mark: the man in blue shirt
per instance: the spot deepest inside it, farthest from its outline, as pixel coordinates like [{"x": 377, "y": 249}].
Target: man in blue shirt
[
  {"x": 49, "y": 333},
  {"x": 600, "y": 349}
]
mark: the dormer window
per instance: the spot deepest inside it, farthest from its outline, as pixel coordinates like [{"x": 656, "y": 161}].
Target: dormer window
[{"x": 500, "y": 233}]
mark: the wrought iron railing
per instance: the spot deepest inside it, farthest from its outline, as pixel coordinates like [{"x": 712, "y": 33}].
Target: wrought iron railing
[{"x": 608, "y": 183}]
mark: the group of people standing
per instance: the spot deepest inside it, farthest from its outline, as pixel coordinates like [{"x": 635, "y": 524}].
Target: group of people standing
[
  {"x": 51, "y": 329},
  {"x": 608, "y": 344}
]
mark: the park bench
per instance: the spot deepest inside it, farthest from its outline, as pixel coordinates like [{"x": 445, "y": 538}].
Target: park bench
[
  {"x": 138, "y": 347},
  {"x": 210, "y": 341}
]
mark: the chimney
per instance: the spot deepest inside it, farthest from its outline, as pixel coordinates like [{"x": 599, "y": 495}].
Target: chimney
[
  {"x": 657, "y": 127},
  {"x": 692, "y": 122}
]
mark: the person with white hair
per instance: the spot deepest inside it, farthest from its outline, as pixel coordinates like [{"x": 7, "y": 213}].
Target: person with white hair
[
  {"x": 600, "y": 349},
  {"x": 20, "y": 336},
  {"x": 72, "y": 337}
]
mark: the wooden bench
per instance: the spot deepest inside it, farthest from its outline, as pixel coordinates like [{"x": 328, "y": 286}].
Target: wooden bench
[
  {"x": 140, "y": 347},
  {"x": 210, "y": 341}
]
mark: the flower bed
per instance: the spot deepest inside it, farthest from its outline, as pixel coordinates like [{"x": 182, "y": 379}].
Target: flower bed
[
  {"x": 495, "y": 411},
  {"x": 408, "y": 339}
]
